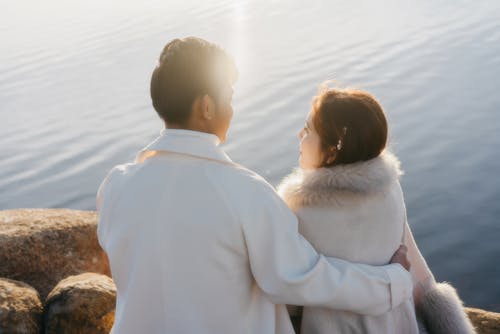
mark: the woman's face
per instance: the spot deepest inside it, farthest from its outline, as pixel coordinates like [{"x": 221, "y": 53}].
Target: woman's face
[{"x": 310, "y": 146}]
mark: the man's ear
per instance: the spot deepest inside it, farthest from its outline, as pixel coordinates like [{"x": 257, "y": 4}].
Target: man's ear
[{"x": 208, "y": 107}]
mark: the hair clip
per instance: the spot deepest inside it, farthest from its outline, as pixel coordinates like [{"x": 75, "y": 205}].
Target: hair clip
[{"x": 339, "y": 143}]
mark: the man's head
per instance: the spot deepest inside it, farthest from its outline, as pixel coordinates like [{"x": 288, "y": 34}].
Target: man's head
[{"x": 191, "y": 87}]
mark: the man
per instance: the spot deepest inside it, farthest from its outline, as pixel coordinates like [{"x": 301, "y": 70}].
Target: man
[{"x": 198, "y": 244}]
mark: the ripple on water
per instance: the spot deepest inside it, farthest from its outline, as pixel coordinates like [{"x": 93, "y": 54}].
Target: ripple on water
[{"x": 74, "y": 102}]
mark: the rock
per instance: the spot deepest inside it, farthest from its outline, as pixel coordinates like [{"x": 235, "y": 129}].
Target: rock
[
  {"x": 83, "y": 303},
  {"x": 43, "y": 246},
  {"x": 484, "y": 322},
  {"x": 20, "y": 308}
]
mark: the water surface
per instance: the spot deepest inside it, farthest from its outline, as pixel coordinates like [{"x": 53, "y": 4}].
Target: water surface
[{"x": 74, "y": 101}]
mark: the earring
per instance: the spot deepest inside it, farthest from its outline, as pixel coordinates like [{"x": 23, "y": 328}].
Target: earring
[{"x": 339, "y": 145}]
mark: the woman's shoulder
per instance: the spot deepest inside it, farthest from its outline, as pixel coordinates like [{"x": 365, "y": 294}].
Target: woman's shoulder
[{"x": 338, "y": 184}]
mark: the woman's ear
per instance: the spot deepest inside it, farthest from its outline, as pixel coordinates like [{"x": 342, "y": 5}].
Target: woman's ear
[
  {"x": 332, "y": 154},
  {"x": 330, "y": 160}
]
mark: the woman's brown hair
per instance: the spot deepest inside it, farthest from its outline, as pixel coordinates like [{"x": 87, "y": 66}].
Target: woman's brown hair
[{"x": 351, "y": 125}]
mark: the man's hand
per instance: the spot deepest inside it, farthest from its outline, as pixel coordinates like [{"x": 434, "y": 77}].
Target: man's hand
[{"x": 401, "y": 257}]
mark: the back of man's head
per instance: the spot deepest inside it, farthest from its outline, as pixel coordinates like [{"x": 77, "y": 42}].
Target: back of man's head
[{"x": 189, "y": 68}]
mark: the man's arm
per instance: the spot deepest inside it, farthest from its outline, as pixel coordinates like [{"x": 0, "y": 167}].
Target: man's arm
[
  {"x": 289, "y": 270},
  {"x": 104, "y": 194}
]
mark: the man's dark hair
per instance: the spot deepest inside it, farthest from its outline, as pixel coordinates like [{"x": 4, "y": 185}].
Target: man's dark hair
[{"x": 189, "y": 68}]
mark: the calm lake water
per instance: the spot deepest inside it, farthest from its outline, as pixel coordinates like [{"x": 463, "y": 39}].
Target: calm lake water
[{"x": 74, "y": 101}]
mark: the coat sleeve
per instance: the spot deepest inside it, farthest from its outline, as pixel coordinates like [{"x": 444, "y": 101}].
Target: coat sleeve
[
  {"x": 423, "y": 279},
  {"x": 103, "y": 198},
  {"x": 289, "y": 270},
  {"x": 437, "y": 304}
]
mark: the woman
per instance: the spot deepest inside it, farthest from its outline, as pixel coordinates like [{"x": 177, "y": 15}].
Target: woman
[{"x": 350, "y": 205}]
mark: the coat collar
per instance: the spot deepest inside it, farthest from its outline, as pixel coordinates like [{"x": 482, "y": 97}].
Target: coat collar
[
  {"x": 192, "y": 143},
  {"x": 335, "y": 185}
]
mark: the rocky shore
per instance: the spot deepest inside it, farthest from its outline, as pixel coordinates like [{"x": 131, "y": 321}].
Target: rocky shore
[{"x": 54, "y": 277}]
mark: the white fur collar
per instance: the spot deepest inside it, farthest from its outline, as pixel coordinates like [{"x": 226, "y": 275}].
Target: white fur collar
[{"x": 327, "y": 186}]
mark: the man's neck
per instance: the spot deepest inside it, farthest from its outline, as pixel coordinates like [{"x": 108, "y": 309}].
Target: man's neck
[{"x": 189, "y": 127}]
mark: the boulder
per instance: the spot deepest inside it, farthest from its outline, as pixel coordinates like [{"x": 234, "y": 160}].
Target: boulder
[
  {"x": 20, "y": 308},
  {"x": 82, "y": 303},
  {"x": 43, "y": 246},
  {"x": 485, "y": 322}
]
